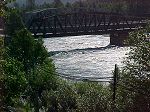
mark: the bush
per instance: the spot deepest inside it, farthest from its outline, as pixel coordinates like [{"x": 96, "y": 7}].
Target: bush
[
  {"x": 27, "y": 59},
  {"x": 63, "y": 99},
  {"x": 78, "y": 97},
  {"x": 14, "y": 80},
  {"x": 93, "y": 97},
  {"x": 42, "y": 78}
]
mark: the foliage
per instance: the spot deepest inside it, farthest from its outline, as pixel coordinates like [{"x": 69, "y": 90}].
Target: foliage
[
  {"x": 63, "y": 99},
  {"x": 40, "y": 72},
  {"x": 1, "y": 55},
  {"x": 58, "y": 4},
  {"x": 13, "y": 22},
  {"x": 68, "y": 5},
  {"x": 28, "y": 70},
  {"x": 78, "y": 97},
  {"x": 3, "y": 6},
  {"x": 1, "y": 48},
  {"x": 93, "y": 97},
  {"x": 134, "y": 86},
  {"x": 31, "y": 4},
  {"x": 1, "y": 73},
  {"x": 27, "y": 50},
  {"x": 15, "y": 81},
  {"x": 15, "y": 78},
  {"x": 120, "y": 7},
  {"x": 42, "y": 78}
]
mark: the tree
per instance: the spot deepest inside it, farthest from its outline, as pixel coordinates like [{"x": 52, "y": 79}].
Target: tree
[
  {"x": 1, "y": 52},
  {"x": 2, "y": 91},
  {"x": 31, "y": 4},
  {"x": 78, "y": 4},
  {"x": 93, "y": 97},
  {"x": 2, "y": 7},
  {"x": 16, "y": 5},
  {"x": 27, "y": 50},
  {"x": 68, "y": 5},
  {"x": 138, "y": 6},
  {"x": 28, "y": 70},
  {"x": 1, "y": 74},
  {"x": 14, "y": 80},
  {"x": 13, "y": 22},
  {"x": 42, "y": 78},
  {"x": 58, "y": 4},
  {"x": 134, "y": 86}
]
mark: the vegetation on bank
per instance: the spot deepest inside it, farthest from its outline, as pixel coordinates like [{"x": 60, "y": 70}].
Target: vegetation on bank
[
  {"x": 119, "y": 6},
  {"x": 1, "y": 73},
  {"x": 134, "y": 85},
  {"x": 30, "y": 82}
]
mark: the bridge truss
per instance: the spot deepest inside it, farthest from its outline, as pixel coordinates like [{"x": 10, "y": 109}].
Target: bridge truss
[{"x": 84, "y": 23}]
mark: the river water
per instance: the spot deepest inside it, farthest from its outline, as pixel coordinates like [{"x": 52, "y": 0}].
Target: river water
[{"x": 88, "y": 56}]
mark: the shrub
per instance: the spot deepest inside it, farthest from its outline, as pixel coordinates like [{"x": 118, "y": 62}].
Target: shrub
[
  {"x": 78, "y": 97},
  {"x": 14, "y": 80},
  {"x": 93, "y": 97},
  {"x": 63, "y": 99},
  {"x": 42, "y": 78}
]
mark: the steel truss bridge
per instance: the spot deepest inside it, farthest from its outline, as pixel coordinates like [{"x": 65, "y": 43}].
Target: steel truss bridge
[{"x": 84, "y": 23}]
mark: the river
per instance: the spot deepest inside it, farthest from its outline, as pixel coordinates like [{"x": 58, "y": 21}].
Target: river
[{"x": 87, "y": 56}]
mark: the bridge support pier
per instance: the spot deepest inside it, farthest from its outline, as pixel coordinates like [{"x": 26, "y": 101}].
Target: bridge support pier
[{"x": 118, "y": 38}]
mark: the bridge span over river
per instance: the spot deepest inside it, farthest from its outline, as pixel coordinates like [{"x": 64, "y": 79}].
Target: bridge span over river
[{"x": 86, "y": 23}]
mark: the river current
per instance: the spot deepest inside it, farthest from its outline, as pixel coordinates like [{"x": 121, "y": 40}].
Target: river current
[{"x": 88, "y": 56}]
